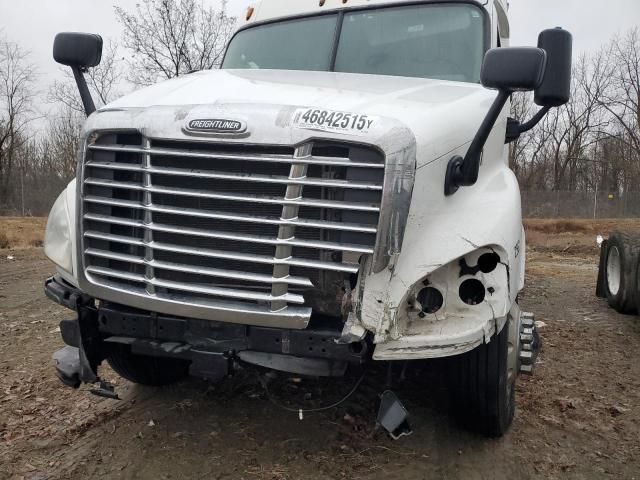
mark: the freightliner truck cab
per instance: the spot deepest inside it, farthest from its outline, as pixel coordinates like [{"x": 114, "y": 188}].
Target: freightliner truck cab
[{"x": 337, "y": 193}]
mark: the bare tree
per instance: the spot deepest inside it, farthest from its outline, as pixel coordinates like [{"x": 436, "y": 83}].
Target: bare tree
[
  {"x": 46, "y": 163},
  {"x": 521, "y": 109},
  {"x": 103, "y": 81},
  {"x": 527, "y": 152},
  {"x": 581, "y": 120},
  {"x": 622, "y": 95},
  {"x": 63, "y": 136},
  {"x": 17, "y": 91},
  {"x": 169, "y": 38}
]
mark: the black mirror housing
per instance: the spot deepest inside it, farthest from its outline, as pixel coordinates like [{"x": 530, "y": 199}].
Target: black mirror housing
[
  {"x": 507, "y": 70},
  {"x": 555, "y": 89},
  {"x": 81, "y": 50},
  {"x": 514, "y": 68},
  {"x": 545, "y": 70}
]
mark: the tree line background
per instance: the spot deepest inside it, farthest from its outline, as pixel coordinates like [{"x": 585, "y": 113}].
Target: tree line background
[
  {"x": 161, "y": 39},
  {"x": 587, "y": 152}
]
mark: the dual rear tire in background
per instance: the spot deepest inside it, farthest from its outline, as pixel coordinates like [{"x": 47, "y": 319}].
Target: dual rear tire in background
[{"x": 618, "y": 276}]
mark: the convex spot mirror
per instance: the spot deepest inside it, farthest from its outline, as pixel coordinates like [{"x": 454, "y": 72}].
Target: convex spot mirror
[
  {"x": 513, "y": 69},
  {"x": 82, "y": 50},
  {"x": 555, "y": 89}
]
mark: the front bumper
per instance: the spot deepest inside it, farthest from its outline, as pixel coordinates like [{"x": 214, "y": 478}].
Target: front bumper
[
  {"x": 213, "y": 348},
  {"x": 455, "y": 336}
]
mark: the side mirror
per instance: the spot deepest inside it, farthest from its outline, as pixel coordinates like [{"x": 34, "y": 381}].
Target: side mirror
[
  {"x": 555, "y": 90},
  {"x": 77, "y": 49},
  {"x": 513, "y": 69},
  {"x": 507, "y": 70},
  {"x": 546, "y": 70}
]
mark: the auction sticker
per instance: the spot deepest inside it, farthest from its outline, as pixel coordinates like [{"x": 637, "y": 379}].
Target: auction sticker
[{"x": 333, "y": 121}]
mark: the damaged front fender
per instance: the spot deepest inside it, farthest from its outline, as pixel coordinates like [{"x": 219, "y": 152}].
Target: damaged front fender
[
  {"x": 451, "y": 311},
  {"x": 444, "y": 240}
]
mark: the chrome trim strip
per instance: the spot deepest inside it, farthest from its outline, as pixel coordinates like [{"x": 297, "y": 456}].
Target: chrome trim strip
[
  {"x": 399, "y": 179},
  {"x": 287, "y": 231},
  {"x": 147, "y": 201}
]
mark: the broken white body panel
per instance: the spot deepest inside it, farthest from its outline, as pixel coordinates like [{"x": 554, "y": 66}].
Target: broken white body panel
[{"x": 422, "y": 122}]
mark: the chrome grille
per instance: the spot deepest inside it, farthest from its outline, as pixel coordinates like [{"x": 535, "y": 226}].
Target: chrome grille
[{"x": 261, "y": 225}]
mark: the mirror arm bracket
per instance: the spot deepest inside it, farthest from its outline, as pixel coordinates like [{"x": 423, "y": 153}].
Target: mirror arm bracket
[
  {"x": 515, "y": 128},
  {"x": 463, "y": 172},
  {"x": 83, "y": 88}
]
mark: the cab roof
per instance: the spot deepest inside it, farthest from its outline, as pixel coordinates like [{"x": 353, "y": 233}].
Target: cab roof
[{"x": 266, "y": 10}]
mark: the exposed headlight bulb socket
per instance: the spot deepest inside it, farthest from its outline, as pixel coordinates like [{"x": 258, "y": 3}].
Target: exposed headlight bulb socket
[
  {"x": 431, "y": 300},
  {"x": 488, "y": 262},
  {"x": 472, "y": 292}
]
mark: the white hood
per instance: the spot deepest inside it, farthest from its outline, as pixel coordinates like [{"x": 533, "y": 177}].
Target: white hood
[
  {"x": 289, "y": 87},
  {"x": 443, "y": 115}
]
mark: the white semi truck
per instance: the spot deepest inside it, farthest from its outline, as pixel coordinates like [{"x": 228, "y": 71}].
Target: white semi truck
[{"x": 336, "y": 193}]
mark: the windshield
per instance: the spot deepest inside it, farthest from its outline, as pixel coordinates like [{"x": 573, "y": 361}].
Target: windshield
[{"x": 440, "y": 41}]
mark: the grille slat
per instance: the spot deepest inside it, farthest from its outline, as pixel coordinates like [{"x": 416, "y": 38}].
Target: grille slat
[
  {"x": 296, "y": 242},
  {"x": 221, "y": 223},
  {"x": 197, "y": 288},
  {"x": 309, "y": 160},
  {"x": 300, "y": 222},
  {"x": 281, "y": 180},
  {"x": 303, "y": 202},
  {"x": 211, "y": 272},
  {"x": 243, "y": 257}
]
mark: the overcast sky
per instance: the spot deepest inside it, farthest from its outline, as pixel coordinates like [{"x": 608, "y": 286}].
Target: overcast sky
[{"x": 34, "y": 23}]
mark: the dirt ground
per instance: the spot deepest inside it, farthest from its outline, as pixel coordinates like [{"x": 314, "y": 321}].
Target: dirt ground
[
  {"x": 18, "y": 232},
  {"x": 578, "y": 417}
]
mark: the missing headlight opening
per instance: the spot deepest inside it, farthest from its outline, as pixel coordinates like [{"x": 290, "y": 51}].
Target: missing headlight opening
[
  {"x": 488, "y": 262},
  {"x": 472, "y": 292},
  {"x": 431, "y": 300}
]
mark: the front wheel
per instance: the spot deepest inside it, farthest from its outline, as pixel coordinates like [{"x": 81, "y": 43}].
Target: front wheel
[
  {"x": 144, "y": 370},
  {"x": 483, "y": 385}
]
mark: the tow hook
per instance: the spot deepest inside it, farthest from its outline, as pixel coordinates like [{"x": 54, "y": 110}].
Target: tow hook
[
  {"x": 105, "y": 390},
  {"x": 529, "y": 343}
]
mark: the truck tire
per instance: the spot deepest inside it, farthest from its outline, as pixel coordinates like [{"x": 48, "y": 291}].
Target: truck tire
[
  {"x": 144, "y": 370},
  {"x": 484, "y": 392},
  {"x": 620, "y": 272}
]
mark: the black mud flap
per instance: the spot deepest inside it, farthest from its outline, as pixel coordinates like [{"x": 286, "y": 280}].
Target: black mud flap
[
  {"x": 67, "y": 363},
  {"x": 601, "y": 290},
  {"x": 393, "y": 416}
]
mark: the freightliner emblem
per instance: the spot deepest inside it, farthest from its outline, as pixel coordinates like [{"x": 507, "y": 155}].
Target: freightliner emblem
[{"x": 216, "y": 125}]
